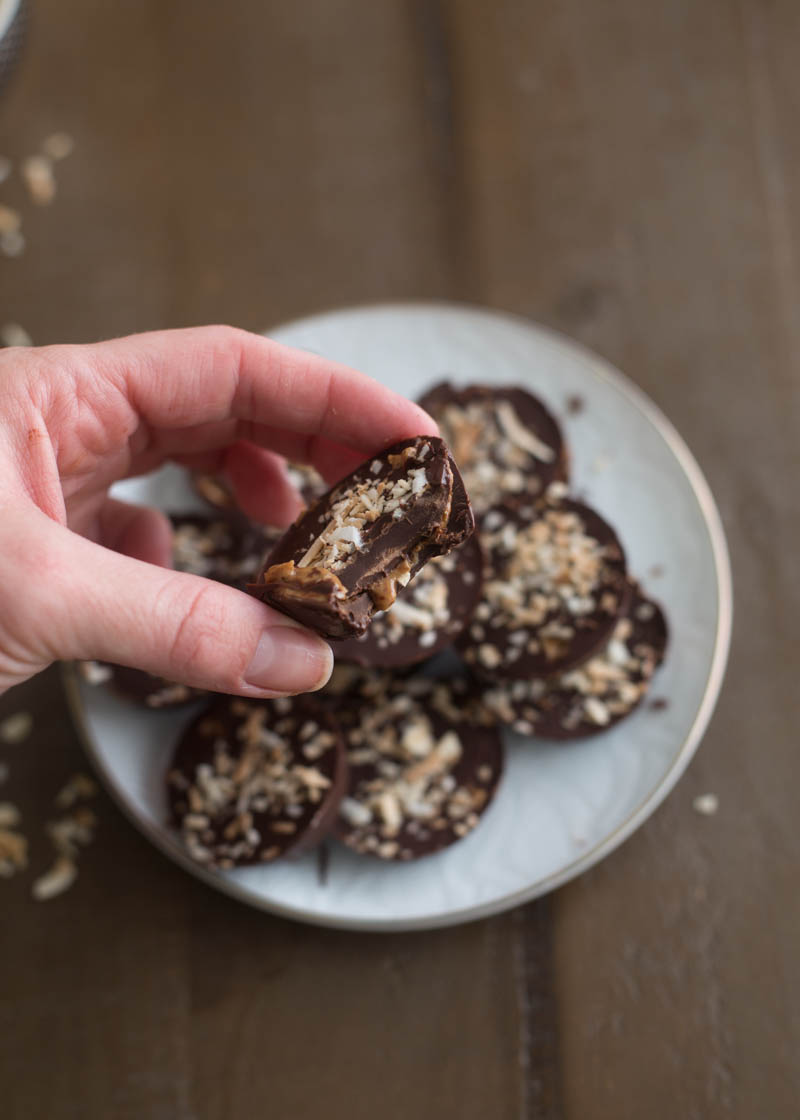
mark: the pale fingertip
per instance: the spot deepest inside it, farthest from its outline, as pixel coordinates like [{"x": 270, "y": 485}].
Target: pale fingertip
[{"x": 289, "y": 660}]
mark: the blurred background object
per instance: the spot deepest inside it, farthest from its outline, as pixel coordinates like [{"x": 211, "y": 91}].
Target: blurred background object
[
  {"x": 13, "y": 17},
  {"x": 625, "y": 172}
]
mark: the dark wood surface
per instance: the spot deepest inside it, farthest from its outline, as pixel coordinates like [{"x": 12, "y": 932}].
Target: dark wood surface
[{"x": 627, "y": 172}]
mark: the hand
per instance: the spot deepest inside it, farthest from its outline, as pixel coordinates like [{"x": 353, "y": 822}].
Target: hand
[{"x": 79, "y": 574}]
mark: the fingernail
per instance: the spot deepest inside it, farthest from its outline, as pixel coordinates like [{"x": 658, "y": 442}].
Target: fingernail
[{"x": 289, "y": 660}]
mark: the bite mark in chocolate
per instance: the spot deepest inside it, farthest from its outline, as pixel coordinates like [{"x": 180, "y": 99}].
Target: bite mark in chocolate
[
  {"x": 427, "y": 616},
  {"x": 346, "y": 557}
]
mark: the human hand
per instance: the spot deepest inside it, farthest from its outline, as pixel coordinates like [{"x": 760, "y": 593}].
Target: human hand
[{"x": 78, "y": 570}]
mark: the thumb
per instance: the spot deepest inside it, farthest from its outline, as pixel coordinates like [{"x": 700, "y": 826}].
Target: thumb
[{"x": 85, "y": 601}]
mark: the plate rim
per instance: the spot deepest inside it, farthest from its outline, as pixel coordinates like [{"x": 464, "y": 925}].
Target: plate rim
[{"x": 605, "y": 371}]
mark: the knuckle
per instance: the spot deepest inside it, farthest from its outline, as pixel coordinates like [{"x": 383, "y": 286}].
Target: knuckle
[{"x": 224, "y": 339}]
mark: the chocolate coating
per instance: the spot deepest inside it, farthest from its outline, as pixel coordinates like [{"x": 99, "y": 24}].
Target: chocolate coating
[
  {"x": 345, "y": 557},
  {"x": 421, "y": 774},
  {"x": 427, "y": 616},
  {"x": 253, "y": 780},
  {"x": 598, "y": 694},
  {"x": 507, "y": 444},
  {"x": 554, "y": 586}
]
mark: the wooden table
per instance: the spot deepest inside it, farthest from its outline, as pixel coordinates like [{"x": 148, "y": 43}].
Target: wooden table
[{"x": 627, "y": 172}]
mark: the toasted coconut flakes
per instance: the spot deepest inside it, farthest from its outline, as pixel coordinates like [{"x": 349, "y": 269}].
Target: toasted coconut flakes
[
  {"x": 58, "y": 879},
  {"x": 95, "y": 672},
  {"x": 37, "y": 172},
  {"x": 10, "y": 815},
  {"x": 58, "y": 145},
  {"x": 12, "y": 334},
  {"x": 79, "y": 786},
  {"x": 523, "y": 437},
  {"x": 10, "y": 220},
  {"x": 406, "y": 614},
  {"x": 596, "y": 711},
  {"x": 355, "y": 812},
  {"x": 16, "y": 728},
  {"x": 13, "y": 852}
]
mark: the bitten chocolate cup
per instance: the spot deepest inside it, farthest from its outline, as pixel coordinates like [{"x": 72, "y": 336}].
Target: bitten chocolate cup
[
  {"x": 346, "y": 557},
  {"x": 254, "y": 780},
  {"x": 426, "y": 617}
]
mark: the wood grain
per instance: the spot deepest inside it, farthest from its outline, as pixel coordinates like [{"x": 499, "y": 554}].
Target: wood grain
[{"x": 626, "y": 172}]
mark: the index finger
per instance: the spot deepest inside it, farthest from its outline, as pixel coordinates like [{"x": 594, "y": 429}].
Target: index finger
[{"x": 182, "y": 378}]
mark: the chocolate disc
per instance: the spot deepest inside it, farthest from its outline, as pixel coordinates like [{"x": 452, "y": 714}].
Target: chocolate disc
[
  {"x": 596, "y": 695},
  {"x": 421, "y": 774},
  {"x": 307, "y": 481},
  {"x": 252, "y": 780},
  {"x": 554, "y": 587},
  {"x": 346, "y": 556},
  {"x": 226, "y": 549},
  {"x": 507, "y": 444},
  {"x": 210, "y": 546},
  {"x": 427, "y": 615}
]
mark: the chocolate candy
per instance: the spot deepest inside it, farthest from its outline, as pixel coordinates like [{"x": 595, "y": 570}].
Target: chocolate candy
[
  {"x": 421, "y": 775},
  {"x": 427, "y": 616},
  {"x": 253, "y": 780},
  {"x": 308, "y": 482},
  {"x": 507, "y": 445},
  {"x": 554, "y": 587},
  {"x": 596, "y": 695},
  {"x": 347, "y": 555},
  {"x": 225, "y": 549}
]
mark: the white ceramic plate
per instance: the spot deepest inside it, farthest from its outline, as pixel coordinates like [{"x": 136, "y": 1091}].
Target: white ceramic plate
[{"x": 560, "y": 808}]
